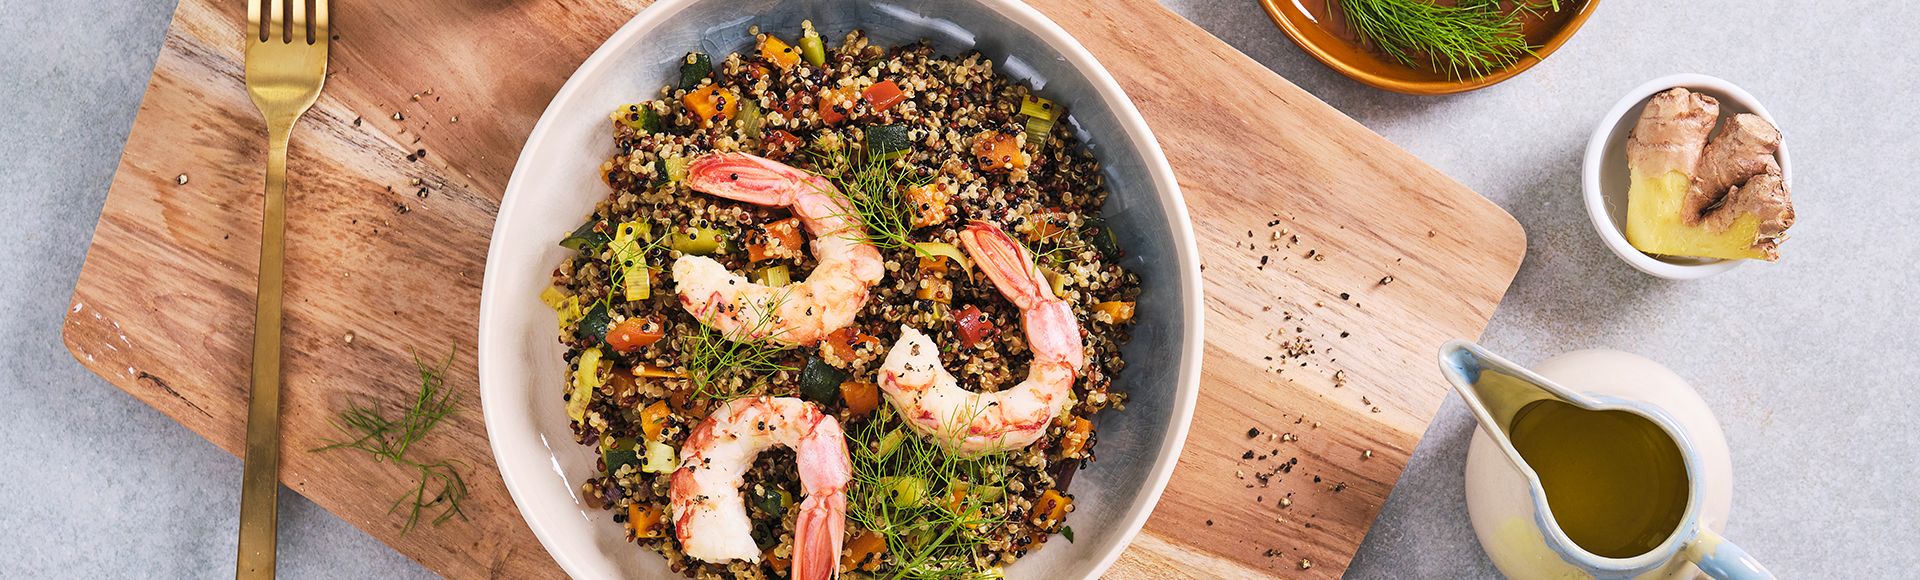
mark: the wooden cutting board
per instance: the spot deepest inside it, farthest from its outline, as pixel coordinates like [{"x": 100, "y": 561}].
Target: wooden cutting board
[{"x": 398, "y": 171}]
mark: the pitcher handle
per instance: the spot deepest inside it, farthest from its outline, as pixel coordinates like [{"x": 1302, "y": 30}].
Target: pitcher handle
[{"x": 1722, "y": 560}]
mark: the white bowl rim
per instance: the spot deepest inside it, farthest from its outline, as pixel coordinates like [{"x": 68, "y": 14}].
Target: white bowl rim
[
  {"x": 1134, "y": 127},
  {"x": 1598, "y": 144}
]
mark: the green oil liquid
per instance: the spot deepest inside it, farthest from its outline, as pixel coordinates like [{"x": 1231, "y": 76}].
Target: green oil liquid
[{"x": 1615, "y": 481}]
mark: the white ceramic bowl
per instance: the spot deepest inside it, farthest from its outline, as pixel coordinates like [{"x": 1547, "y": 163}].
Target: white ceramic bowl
[
  {"x": 556, "y": 183},
  {"x": 1604, "y": 174}
]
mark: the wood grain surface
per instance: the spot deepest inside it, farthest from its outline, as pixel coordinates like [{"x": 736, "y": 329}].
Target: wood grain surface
[{"x": 387, "y": 244}]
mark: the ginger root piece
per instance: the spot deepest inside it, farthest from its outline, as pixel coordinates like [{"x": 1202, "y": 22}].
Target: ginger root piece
[{"x": 1689, "y": 197}]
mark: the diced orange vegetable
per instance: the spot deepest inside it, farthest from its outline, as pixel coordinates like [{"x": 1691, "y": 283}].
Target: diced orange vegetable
[
  {"x": 776, "y": 240},
  {"x": 778, "y": 564},
  {"x": 634, "y": 334},
  {"x": 930, "y": 204},
  {"x": 1050, "y": 509},
  {"x": 1117, "y": 312},
  {"x": 711, "y": 102},
  {"x": 1046, "y": 226},
  {"x": 864, "y": 551},
  {"x": 842, "y": 346},
  {"x": 1074, "y": 442},
  {"x": 645, "y": 522},
  {"x": 836, "y": 104},
  {"x": 778, "y": 52},
  {"x": 996, "y": 152},
  {"x": 936, "y": 288},
  {"x": 656, "y": 372},
  {"x": 653, "y": 420},
  {"x": 862, "y": 397},
  {"x": 883, "y": 95}
]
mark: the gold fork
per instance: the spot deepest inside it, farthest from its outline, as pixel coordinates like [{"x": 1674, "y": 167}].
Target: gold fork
[{"x": 286, "y": 64}]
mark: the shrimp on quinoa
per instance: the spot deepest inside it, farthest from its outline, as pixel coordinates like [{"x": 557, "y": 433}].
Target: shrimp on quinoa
[
  {"x": 929, "y": 398},
  {"x": 709, "y": 517},
  {"x": 796, "y": 314}
]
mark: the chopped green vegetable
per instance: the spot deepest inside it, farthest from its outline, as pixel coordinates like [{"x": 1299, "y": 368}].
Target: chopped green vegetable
[
  {"x": 586, "y": 380},
  {"x": 640, "y": 117},
  {"x": 660, "y": 458},
  {"x": 945, "y": 250},
  {"x": 697, "y": 241},
  {"x": 905, "y": 490},
  {"x": 887, "y": 142},
  {"x": 585, "y": 237},
  {"x": 889, "y": 443},
  {"x": 1067, "y": 532},
  {"x": 820, "y": 382},
  {"x": 674, "y": 169},
  {"x": 1101, "y": 236},
  {"x": 1037, "y": 108},
  {"x": 619, "y": 453},
  {"x": 693, "y": 68},
  {"x": 751, "y": 118},
  {"x": 1055, "y": 280},
  {"x": 812, "y": 49},
  {"x": 771, "y": 500},
  {"x": 775, "y": 276},
  {"x": 593, "y": 324},
  {"x": 1037, "y": 131},
  {"x": 629, "y": 243}
]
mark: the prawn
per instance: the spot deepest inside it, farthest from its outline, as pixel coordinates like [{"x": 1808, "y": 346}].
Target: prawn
[
  {"x": 710, "y": 519},
  {"x": 931, "y": 400},
  {"x": 796, "y": 314}
]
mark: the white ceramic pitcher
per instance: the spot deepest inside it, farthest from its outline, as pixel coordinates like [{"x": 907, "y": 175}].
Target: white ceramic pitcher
[{"x": 1504, "y": 495}]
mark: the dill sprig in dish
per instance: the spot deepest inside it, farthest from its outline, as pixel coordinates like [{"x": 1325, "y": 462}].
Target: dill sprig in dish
[
  {"x": 368, "y": 429},
  {"x": 872, "y": 189},
  {"x": 934, "y": 509},
  {"x": 713, "y": 354},
  {"x": 1469, "y": 39}
]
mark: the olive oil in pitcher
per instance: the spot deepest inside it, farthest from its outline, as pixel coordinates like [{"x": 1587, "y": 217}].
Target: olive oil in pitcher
[{"x": 1615, "y": 481}]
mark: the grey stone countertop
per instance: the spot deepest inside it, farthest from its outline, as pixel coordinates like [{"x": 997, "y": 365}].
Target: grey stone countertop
[{"x": 1809, "y": 363}]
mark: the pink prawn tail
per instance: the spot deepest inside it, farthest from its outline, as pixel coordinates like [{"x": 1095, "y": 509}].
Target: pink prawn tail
[
  {"x": 1005, "y": 262},
  {"x": 745, "y": 177},
  {"x": 818, "y": 533}
]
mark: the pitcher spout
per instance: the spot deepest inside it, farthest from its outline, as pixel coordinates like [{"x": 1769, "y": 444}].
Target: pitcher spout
[{"x": 1495, "y": 389}]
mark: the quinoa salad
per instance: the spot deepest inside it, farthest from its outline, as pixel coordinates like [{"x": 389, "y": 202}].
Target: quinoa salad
[{"x": 847, "y": 310}]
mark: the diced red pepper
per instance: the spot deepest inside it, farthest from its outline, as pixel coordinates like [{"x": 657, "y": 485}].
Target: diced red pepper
[
  {"x": 883, "y": 95},
  {"x": 974, "y": 326},
  {"x": 778, "y": 144},
  {"x": 835, "y": 104}
]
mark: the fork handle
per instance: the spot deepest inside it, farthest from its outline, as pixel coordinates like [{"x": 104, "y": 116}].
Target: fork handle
[{"x": 260, "y": 481}]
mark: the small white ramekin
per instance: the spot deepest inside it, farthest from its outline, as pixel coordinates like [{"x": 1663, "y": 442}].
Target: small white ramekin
[{"x": 1604, "y": 172}]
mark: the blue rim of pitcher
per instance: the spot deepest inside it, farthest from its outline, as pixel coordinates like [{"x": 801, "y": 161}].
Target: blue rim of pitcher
[{"x": 1685, "y": 532}]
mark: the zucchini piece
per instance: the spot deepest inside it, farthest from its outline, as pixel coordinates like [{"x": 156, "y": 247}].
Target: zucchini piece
[
  {"x": 1055, "y": 281},
  {"x": 775, "y": 276},
  {"x": 660, "y": 458},
  {"x": 619, "y": 453},
  {"x": 693, "y": 67},
  {"x": 593, "y": 324},
  {"x": 1101, "y": 236},
  {"x": 812, "y": 48},
  {"x": 569, "y": 312},
  {"x": 771, "y": 500},
  {"x": 820, "y": 382},
  {"x": 640, "y": 117},
  {"x": 945, "y": 250},
  {"x": 586, "y": 380},
  {"x": 553, "y": 297},
  {"x": 675, "y": 168},
  {"x": 584, "y": 238},
  {"x": 886, "y": 142},
  {"x": 629, "y": 239},
  {"x": 697, "y": 241}
]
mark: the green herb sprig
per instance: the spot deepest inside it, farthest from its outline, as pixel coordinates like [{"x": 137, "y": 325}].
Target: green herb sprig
[
  {"x": 930, "y": 536},
  {"x": 1470, "y": 39},
  {"x": 872, "y": 189},
  {"x": 368, "y": 429},
  {"x": 712, "y": 354}
]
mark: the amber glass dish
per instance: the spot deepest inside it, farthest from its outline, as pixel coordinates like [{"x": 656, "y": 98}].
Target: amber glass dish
[{"x": 1318, "y": 28}]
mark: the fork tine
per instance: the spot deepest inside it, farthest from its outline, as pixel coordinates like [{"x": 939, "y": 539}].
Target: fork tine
[
  {"x": 299, "y": 29},
  {"x": 277, "y": 24},
  {"x": 253, "y": 20},
  {"x": 320, "y": 32}
]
